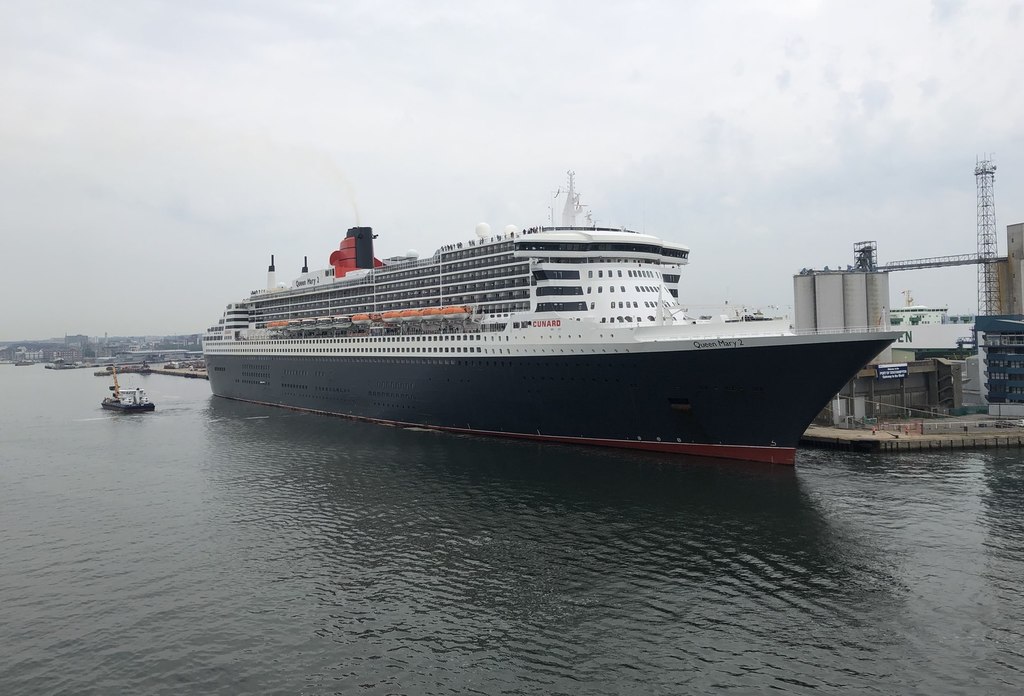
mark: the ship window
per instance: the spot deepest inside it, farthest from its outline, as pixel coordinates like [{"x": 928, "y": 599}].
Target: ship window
[
  {"x": 620, "y": 274},
  {"x": 561, "y": 306},
  {"x": 600, "y": 274},
  {"x": 591, "y": 305},
  {"x": 590, "y": 274},
  {"x": 600, "y": 289},
  {"x": 611, "y": 288},
  {"x": 559, "y": 290},
  {"x": 589, "y": 289},
  {"x": 556, "y": 275}
]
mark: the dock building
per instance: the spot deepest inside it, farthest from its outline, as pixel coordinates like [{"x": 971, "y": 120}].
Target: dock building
[{"x": 1001, "y": 336}]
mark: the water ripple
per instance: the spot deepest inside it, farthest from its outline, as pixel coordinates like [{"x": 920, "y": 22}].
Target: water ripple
[{"x": 228, "y": 548}]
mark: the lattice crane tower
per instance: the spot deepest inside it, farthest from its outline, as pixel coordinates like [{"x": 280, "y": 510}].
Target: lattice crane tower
[{"x": 988, "y": 282}]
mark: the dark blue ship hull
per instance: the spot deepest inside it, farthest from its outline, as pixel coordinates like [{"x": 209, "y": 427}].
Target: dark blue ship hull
[{"x": 749, "y": 403}]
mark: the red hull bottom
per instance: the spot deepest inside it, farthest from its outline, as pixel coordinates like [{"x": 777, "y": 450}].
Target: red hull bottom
[{"x": 746, "y": 453}]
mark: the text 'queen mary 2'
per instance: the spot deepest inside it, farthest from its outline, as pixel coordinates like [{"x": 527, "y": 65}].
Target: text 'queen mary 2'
[{"x": 566, "y": 334}]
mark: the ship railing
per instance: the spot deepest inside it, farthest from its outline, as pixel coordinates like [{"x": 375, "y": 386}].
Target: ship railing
[
  {"x": 713, "y": 335},
  {"x": 845, "y": 330}
]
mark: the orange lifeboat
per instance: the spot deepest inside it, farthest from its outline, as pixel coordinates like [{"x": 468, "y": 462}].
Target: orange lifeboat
[
  {"x": 456, "y": 312},
  {"x": 410, "y": 315},
  {"x": 276, "y": 324},
  {"x": 391, "y": 317},
  {"x": 432, "y": 313},
  {"x": 361, "y": 319}
]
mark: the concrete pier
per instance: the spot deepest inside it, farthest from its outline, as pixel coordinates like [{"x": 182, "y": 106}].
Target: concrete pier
[
  {"x": 181, "y": 372},
  {"x": 886, "y": 441}
]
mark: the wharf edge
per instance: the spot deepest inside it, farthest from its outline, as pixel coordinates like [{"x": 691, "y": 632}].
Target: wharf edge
[{"x": 886, "y": 442}]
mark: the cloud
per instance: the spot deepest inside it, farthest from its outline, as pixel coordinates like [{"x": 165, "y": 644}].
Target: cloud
[
  {"x": 875, "y": 97},
  {"x": 783, "y": 80},
  {"x": 199, "y": 139},
  {"x": 946, "y": 10}
]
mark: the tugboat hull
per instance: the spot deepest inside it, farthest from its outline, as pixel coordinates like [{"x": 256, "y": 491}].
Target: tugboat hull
[{"x": 128, "y": 408}]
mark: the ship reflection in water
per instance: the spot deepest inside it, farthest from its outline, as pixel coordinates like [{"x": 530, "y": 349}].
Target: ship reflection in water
[
  {"x": 551, "y": 565},
  {"x": 234, "y": 548}
]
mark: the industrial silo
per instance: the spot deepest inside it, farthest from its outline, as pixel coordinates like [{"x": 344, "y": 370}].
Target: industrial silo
[
  {"x": 803, "y": 295},
  {"x": 828, "y": 300},
  {"x": 855, "y": 300},
  {"x": 878, "y": 299}
]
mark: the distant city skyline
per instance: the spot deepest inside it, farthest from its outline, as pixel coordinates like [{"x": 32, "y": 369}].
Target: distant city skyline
[
  {"x": 96, "y": 340},
  {"x": 156, "y": 154}
]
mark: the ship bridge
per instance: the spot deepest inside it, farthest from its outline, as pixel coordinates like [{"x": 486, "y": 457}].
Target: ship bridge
[{"x": 585, "y": 243}]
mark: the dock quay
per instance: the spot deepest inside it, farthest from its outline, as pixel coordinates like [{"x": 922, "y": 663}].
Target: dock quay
[
  {"x": 132, "y": 369},
  {"x": 199, "y": 373},
  {"x": 959, "y": 436}
]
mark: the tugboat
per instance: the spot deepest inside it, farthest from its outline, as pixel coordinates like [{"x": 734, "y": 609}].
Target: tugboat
[{"x": 130, "y": 400}]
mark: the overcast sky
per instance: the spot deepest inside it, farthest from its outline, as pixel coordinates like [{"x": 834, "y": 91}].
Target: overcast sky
[{"x": 154, "y": 154}]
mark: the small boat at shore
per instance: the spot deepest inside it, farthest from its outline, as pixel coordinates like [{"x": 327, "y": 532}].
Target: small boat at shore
[{"x": 127, "y": 400}]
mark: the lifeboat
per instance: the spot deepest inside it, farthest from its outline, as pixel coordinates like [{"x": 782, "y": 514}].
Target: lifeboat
[
  {"x": 410, "y": 315},
  {"x": 276, "y": 324},
  {"x": 341, "y": 321},
  {"x": 456, "y": 312},
  {"x": 432, "y": 313},
  {"x": 361, "y": 319},
  {"x": 391, "y": 317}
]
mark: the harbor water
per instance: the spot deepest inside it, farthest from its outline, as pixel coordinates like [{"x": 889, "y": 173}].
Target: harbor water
[{"x": 216, "y": 547}]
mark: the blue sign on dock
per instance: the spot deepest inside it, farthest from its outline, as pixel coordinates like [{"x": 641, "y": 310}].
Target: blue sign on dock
[{"x": 892, "y": 371}]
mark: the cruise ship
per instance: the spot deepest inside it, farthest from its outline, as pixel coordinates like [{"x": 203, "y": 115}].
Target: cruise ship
[{"x": 564, "y": 333}]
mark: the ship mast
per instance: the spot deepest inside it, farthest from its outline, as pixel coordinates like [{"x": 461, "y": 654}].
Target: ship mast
[{"x": 572, "y": 203}]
